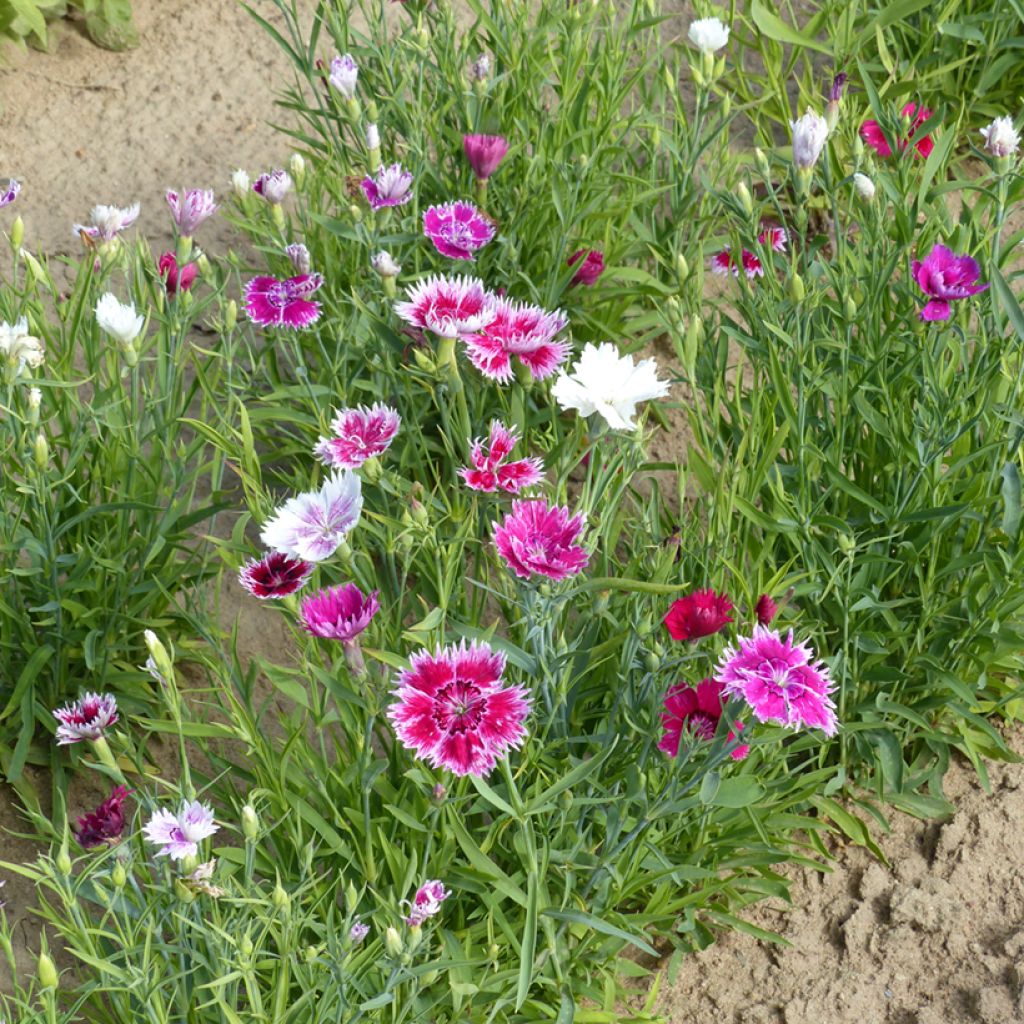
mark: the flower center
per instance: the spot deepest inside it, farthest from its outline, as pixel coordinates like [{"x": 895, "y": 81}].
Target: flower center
[
  {"x": 459, "y": 707},
  {"x": 701, "y": 724}
]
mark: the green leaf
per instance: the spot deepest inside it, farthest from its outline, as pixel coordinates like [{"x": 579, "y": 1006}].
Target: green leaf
[
  {"x": 1009, "y": 302},
  {"x": 528, "y": 944},
  {"x": 1011, "y": 500},
  {"x": 739, "y": 792},
  {"x": 598, "y": 924},
  {"x": 775, "y": 28}
]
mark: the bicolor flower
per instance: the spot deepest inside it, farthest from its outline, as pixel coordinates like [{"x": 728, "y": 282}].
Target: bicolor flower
[
  {"x": 191, "y": 208},
  {"x": 274, "y": 186},
  {"x": 273, "y": 303},
  {"x": 873, "y": 135},
  {"x": 453, "y": 711},
  {"x": 105, "y": 825},
  {"x": 426, "y": 903},
  {"x": 450, "y": 307},
  {"x": 457, "y": 229},
  {"x": 696, "y": 711},
  {"x": 274, "y": 575},
  {"x": 391, "y": 186},
  {"x": 774, "y": 238},
  {"x": 313, "y": 525},
  {"x": 945, "y": 277},
  {"x": 107, "y": 222},
  {"x": 358, "y": 932},
  {"x": 344, "y": 75},
  {"x": 484, "y": 153},
  {"x": 723, "y": 263},
  {"x": 179, "y": 835},
  {"x": 339, "y": 613},
  {"x": 780, "y": 680},
  {"x": 359, "y": 434},
  {"x": 491, "y": 470},
  {"x": 698, "y": 614},
  {"x": 522, "y": 330},
  {"x": 87, "y": 718},
  {"x": 602, "y": 381},
  {"x": 591, "y": 266},
  {"x": 10, "y": 193},
  {"x": 540, "y": 539},
  {"x": 119, "y": 319}
]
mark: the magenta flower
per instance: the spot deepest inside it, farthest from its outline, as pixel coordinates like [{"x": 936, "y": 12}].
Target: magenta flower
[
  {"x": 339, "y": 613},
  {"x": 491, "y": 471},
  {"x": 450, "y": 307},
  {"x": 105, "y": 825},
  {"x": 696, "y": 711},
  {"x": 521, "y": 330},
  {"x": 273, "y": 303},
  {"x": 298, "y": 256},
  {"x": 457, "y": 229},
  {"x": 360, "y": 434},
  {"x": 452, "y": 710},
  {"x": 945, "y": 276},
  {"x": 391, "y": 187},
  {"x": 701, "y": 613},
  {"x": 176, "y": 280},
  {"x": 275, "y": 575},
  {"x": 484, "y": 153},
  {"x": 590, "y": 269},
  {"x": 179, "y": 835},
  {"x": 780, "y": 680},
  {"x": 723, "y": 263},
  {"x": 190, "y": 209},
  {"x": 10, "y": 193},
  {"x": 274, "y": 186},
  {"x": 537, "y": 538},
  {"x": 86, "y": 718},
  {"x": 426, "y": 903},
  {"x": 314, "y": 524},
  {"x": 871, "y": 132},
  {"x": 765, "y": 609}
]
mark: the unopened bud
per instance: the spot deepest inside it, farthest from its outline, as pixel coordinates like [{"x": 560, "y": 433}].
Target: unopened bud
[
  {"x": 17, "y": 232},
  {"x": 41, "y": 451},
  {"x": 652, "y": 662},
  {"x": 850, "y": 309},
  {"x": 763, "y": 167},
  {"x": 493, "y": 952},
  {"x": 250, "y": 822},
  {"x": 119, "y": 876},
  {"x": 63, "y": 861},
  {"x": 865, "y": 187},
  {"x": 384, "y": 264},
  {"x": 393, "y": 942},
  {"x": 46, "y": 971},
  {"x": 230, "y": 316},
  {"x": 241, "y": 184},
  {"x": 245, "y": 946},
  {"x": 682, "y": 268},
  {"x": 355, "y": 213},
  {"x": 645, "y": 626},
  {"x": 159, "y": 654},
  {"x": 414, "y": 938},
  {"x": 419, "y": 513},
  {"x": 35, "y": 399},
  {"x": 743, "y": 193},
  {"x": 351, "y": 898},
  {"x": 311, "y": 954},
  {"x": 202, "y": 265},
  {"x": 846, "y": 544},
  {"x": 279, "y": 897},
  {"x": 796, "y": 288},
  {"x": 35, "y": 268},
  {"x": 438, "y": 793},
  {"x": 297, "y": 169}
]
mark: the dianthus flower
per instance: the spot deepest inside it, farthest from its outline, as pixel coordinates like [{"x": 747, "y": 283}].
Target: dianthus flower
[
  {"x": 457, "y": 229},
  {"x": 945, "y": 276},
  {"x": 105, "y": 825},
  {"x": 426, "y": 903},
  {"x": 871, "y": 132},
  {"x": 391, "y": 186},
  {"x": 273, "y": 186},
  {"x": 723, "y": 263},
  {"x": 87, "y": 718},
  {"x": 175, "y": 279},
  {"x": 695, "y": 710},
  {"x": 702, "y": 613},
  {"x": 275, "y": 575},
  {"x": 314, "y": 524},
  {"x": 535, "y": 538},
  {"x": 108, "y": 222},
  {"x": 522, "y": 330},
  {"x": 491, "y": 470},
  {"x": 484, "y": 153},
  {"x": 190, "y": 209},
  {"x": 339, "y": 613},
  {"x": 10, "y": 193},
  {"x": 591, "y": 266},
  {"x": 450, "y": 307},
  {"x": 273, "y": 303},
  {"x": 765, "y": 609},
  {"x": 179, "y": 835},
  {"x": 361, "y": 433}
]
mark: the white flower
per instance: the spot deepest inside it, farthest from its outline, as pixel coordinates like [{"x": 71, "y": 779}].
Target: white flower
[
  {"x": 865, "y": 186},
  {"x": 118, "y": 319},
  {"x": 1001, "y": 138},
  {"x": 604, "y": 381},
  {"x": 18, "y": 348},
  {"x": 372, "y": 137},
  {"x": 297, "y": 165},
  {"x": 708, "y": 34},
  {"x": 384, "y": 264},
  {"x": 240, "y": 183},
  {"x": 809, "y": 135},
  {"x": 344, "y": 75},
  {"x": 313, "y": 525},
  {"x": 108, "y": 222}
]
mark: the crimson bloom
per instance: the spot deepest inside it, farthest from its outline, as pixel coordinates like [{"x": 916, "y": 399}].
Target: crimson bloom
[
  {"x": 871, "y": 132},
  {"x": 702, "y": 613},
  {"x": 723, "y": 263},
  {"x": 774, "y": 237},
  {"x": 484, "y": 153},
  {"x": 273, "y": 303},
  {"x": 944, "y": 276},
  {"x": 457, "y": 229},
  {"x": 339, "y": 613},
  {"x": 537, "y": 538},
  {"x": 361, "y": 433},
  {"x": 522, "y": 330},
  {"x": 453, "y": 711},
  {"x": 105, "y": 825},
  {"x": 765, "y": 609},
  {"x": 695, "y": 710},
  {"x": 176, "y": 280},
  {"x": 591, "y": 266},
  {"x": 276, "y": 575},
  {"x": 491, "y": 471}
]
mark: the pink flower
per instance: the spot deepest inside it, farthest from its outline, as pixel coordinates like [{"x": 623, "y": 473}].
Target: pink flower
[
  {"x": 774, "y": 237},
  {"x": 696, "y": 711},
  {"x": 873, "y": 135},
  {"x": 702, "y": 613},
  {"x": 10, "y": 193},
  {"x": 179, "y": 835},
  {"x": 391, "y": 187},
  {"x": 590, "y": 269},
  {"x": 360, "y": 434},
  {"x": 426, "y": 903},
  {"x": 175, "y": 280},
  {"x": 521, "y": 330},
  {"x": 273, "y": 303},
  {"x": 484, "y": 153},
  {"x": 450, "y": 307},
  {"x": 274, "y": 186},
  {"x": 275, "y": 575},
  {"x": 765, "y": 609},
  {"x": 87, "y": 718},
  {"x": 491, "y": 471},
  {"x": 105, "y": 825},
  {"x": 314, "y": 524},
  {"x": 191, "y": 209},
  {"x": 537, "y": 538},
  {"x": 946, "y": 276},
  {"x": 780, "y": 680},
  {"x": 453, "y": 711},
  {"x": 457, "y": 229},
  {"x": 723, "y": 263},
  {"x": 339, "y": 613}
]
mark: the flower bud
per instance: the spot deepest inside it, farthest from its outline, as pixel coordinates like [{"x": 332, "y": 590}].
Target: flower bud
[
  {"x": 796, "y": 288},
  {"x": 159, "y": 654},
  {"x": 17, "y": 233},
  {"x": 682, "y": 268},
  {"x": 850, "y": 309},
  {"x": 35, "y": 399},
  {"x": 279, "y": 897},
  {"x": 414, "y": 938},
  {"x": 351, "y": 898},
  {"x": 41, "y": 451},
  {"x": 230, "y": 316},
  {"x": 763, "y": 167},
  {"x": 384, "y": 264},
  {"x": 119, "y": 876},
  {"x": 63, "y": 861},
  {"x": 810, "y": 133},
  {"x": 480, "y": 70},
  {"x": 372, "y": 137},
  {"x": 297, "y": 169},
  {"x": 310, "y": 954},
  {"x": 493, "y": 952},
  {"x": 744, "y": 197},
  {"x": 241, "y": 184},
  {"x": 865, "y": 187},
  {"x": 438, "y": 793},
  {"x": 355, "y": 213},
  {"x": 35, "y": 268},
  {"x": 393, "y": 942},
  {"x": 46, "y": 971},
  {"x": 203, "y": 264},
  {"x": 245, "y": 946},
  {"x": 846, "y": 544},
  {"x": 652, "y": 662},
  {"x": 250, "y": 822}
]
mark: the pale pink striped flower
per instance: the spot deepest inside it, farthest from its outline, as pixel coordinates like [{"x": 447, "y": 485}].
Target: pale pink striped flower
[
  {"x": 491, "y": 470},
  {"x": 313, "y": 525},
  {"x": 107, "y": 222},
  {"x": 179, "y": 835},
  {"x": 191, "y": 208},
  {"x": 361, "y": 433},
  {"x": 391, "y": 186},
  {"x": 522, "y": 330},
  {"x": 426, "y": 903}
]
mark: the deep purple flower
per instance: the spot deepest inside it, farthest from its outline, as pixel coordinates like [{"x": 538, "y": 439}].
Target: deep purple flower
[
  {"x": 457, "y": 229},
  {"x": 273, "y": 303},
  {"x": 484, "y": 153},
  {"x": 945, "y": 276},
  {"x": 391, "y": 186},
  {"x": 765, "y": 609},
  {"x": 339, "y": 613},
  {"x": 836, "y": 92},
  {"x": 10, "y": 194},
  {"x": 591, "y": 267},
  {"x": 105, "y": 825},
  {"x": 273, "y": 186}
]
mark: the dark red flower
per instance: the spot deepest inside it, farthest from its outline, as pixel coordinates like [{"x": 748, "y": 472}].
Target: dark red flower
[
  {"x": 175, "y": 279},
  {"x": 591, "y": 267},
  {"x": 765, "y": 609},
  {"x": 105, "y": 825},
  {"x": 701, "y": 613},
  {"x": 697, "y": 711},
  {"x": 274, "y": 575}
]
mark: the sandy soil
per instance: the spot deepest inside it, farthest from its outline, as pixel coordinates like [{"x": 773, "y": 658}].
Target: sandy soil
[{"x": 938, "y": 938}]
